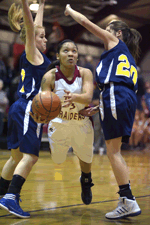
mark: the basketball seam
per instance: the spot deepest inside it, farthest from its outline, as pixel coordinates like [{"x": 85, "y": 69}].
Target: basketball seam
[
  {"x": 44, "y": 106},
  {"x": 49, "y": 111},
  {"x": 50, "y": 105},
  {"x": 57, "y": 107},
  {"x": 48, "y": 116},
  {"x": 37, "y": 110}
]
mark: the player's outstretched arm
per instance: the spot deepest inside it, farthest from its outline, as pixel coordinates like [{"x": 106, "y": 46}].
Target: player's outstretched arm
[
  {"x": 104, "y": 35},
  {"x": 30, "y": 46},
  {"x": 39, "y": 16}
]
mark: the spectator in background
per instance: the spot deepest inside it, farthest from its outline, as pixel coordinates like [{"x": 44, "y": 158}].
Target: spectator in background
[
  {"x": 141, "y": 89},
  {"x": 3, "y": 105},
  {"x": 140, "y": 131},
  {"x": 89, "y": 63},
  {"x": 14, "y": 76},
  {"x": 9, "y": 62},
  {"x": 146, "y": 99},
  {"x": 137, "y": 130},
  {"x": 81, "y": 61},
  {"x": 146, "y": 138},
  {"x": 3, "y": 71}
]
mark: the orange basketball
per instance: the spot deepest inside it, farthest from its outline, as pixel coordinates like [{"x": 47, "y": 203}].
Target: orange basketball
[{"x": 47, "y": 105}]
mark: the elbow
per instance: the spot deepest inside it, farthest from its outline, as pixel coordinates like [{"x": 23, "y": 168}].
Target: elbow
[
  {"x": 89, "y": 100},
  {"x": 83, "y": 21}
]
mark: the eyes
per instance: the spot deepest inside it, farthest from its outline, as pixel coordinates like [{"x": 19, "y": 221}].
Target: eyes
[
  {"x": 42, "y": 36},
  {"x": 67, "y": 50}
]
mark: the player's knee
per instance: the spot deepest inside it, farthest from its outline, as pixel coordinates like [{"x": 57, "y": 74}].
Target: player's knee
[
  {"x": 112, "y": 155},
  {"x": 34, "y": 159},
  {"x": 14, "y": 160},
  {"x": 30, "y": 159}
]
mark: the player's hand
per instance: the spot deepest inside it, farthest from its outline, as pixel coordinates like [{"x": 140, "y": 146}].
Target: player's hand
[
  {"x": 41, "y": 1},
  {"x": 67, "y": 10},
  {"x": 37, "y": 118},
  {"x": 90, "y": 111},
  {"x": 68, "y": 98}
]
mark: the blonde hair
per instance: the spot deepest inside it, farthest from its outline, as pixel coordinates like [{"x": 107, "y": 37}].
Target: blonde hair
[{"x": 15, "y": 18}]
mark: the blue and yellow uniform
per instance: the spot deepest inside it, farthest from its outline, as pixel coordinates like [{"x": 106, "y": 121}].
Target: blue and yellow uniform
[
  {"x": 116, "y": 76},
  {"x": 23, "y": 131}
]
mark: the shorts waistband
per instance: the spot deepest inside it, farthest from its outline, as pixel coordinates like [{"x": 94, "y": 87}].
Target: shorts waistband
[
  {"x": 102, "y": 86},
  {"x": 23, "y": 100}
]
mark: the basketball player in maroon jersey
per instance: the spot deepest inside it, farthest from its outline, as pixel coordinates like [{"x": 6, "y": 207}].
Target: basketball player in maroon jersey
[{"x": 74, "y": 86}]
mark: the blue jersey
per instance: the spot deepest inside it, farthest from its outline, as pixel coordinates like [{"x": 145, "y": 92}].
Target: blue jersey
[
  {"x": 31, "y": 76},
  {"x": 117, "y": 65},
  {"x": 23, "y": 131}
]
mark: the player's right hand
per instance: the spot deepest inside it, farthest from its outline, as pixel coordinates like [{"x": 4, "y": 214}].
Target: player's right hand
[
  {"x": 89, "y": 111},
  {"x": 67, "y": 10},
  {"x": 41, "y": 1}
]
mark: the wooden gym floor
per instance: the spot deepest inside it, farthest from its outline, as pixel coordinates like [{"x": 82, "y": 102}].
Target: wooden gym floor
[{"x": 52, "y": 192}]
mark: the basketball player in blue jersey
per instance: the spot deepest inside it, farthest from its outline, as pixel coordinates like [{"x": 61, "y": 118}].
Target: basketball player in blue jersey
[
  {"x": 70, "y": 129},
  {"x": 24, "y": 134},
  {"x": 116, "y": 76}
]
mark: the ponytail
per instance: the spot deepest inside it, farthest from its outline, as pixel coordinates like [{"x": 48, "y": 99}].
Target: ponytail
[
  {"x": 53, "y": 65},
  {"x": 131, "y": 37},
  {"x": 15, "y": 19},
  {"x": 134, "y": 43}
]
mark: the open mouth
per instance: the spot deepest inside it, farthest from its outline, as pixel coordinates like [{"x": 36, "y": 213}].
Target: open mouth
[{"x": 70, "y": 60}]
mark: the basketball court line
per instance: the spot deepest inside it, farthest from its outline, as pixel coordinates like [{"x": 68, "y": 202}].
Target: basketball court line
[{"x": 69, "y": 206}]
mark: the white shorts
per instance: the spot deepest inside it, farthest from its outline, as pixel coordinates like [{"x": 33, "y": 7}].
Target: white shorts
[{"x": 79, "y": 137}]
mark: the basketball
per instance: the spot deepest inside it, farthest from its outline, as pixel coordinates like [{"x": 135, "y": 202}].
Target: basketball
[{"x": 47, "y": 105}]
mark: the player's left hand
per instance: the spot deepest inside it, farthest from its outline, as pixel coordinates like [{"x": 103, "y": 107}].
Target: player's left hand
[
  {"x": 68, "y": 98},
  {"x": 37, "y": 118}
]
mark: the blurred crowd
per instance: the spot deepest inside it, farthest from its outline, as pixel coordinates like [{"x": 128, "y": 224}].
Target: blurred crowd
[{"x": 140, "y": 137}]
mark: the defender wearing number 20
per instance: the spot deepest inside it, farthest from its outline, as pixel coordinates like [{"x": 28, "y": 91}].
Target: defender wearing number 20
[{"x": 116, "y": 76}]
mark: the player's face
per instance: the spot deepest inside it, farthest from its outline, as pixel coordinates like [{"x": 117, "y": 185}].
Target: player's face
[
  {"x": 110, "y": 30},
  {"x": 40, "y": 39},
  {"x": 68, "y": 54}
]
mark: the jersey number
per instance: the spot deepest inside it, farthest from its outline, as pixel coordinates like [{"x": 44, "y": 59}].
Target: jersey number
[
  {"x": 72, "y": 106},
  {"x": 125, "y": 69},
  {"x": 22, "y": 78}
]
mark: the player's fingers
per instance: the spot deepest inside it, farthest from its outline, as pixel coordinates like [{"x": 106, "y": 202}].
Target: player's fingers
[
  {"x": 67, "y": 92},
  {"x": 33, "y": 115},
  {"x": 66, "y": 104},
  {"x": 68, "y": 99}
]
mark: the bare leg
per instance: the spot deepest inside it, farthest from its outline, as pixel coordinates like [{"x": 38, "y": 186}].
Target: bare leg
[
  {"x": 10, "y": 165},
  {"x": 85, "y": 167},
  {"x": 25, "y": 165},
  {"x": 117, "y": 162},
  {"x": 120, "y": 170}
]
